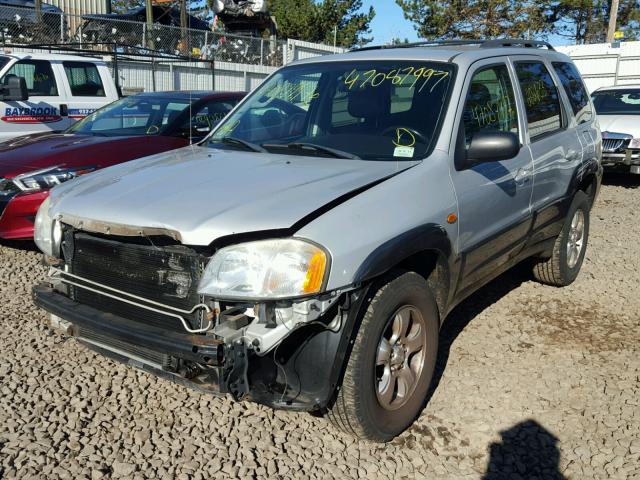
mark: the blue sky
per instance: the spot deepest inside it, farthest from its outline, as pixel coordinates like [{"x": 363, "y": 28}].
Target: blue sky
[{"x": 389, "y": 22}]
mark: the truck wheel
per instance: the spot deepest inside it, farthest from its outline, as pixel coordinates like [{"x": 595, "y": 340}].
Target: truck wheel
[
  {"x": 393, "y": 358},
  {"x": 569, "y": 249}
]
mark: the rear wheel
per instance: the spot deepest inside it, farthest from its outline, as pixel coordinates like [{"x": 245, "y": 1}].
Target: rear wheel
[
  {"x": 392, "y": 362},
  {"x": 570, "y": 246}
]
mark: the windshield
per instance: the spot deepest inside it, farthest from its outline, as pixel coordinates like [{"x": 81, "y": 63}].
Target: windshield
[
  {"x": 3, "y": 61},
  {"x": 376, "y": 110},
  {"x": 141, "y": 115},
  {"x": 617, "y": 102}
]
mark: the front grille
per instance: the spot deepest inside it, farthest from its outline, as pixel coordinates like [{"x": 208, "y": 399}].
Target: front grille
[
  {"x": 614, "y": 144},
  {"x": 167, "y": 274},
  {"x": 141, "y": 354}
]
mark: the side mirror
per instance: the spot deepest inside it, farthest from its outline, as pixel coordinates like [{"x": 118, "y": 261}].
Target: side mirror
[
  {"x": 491, "y": 147},
  {"x": 15, "y": 89}
]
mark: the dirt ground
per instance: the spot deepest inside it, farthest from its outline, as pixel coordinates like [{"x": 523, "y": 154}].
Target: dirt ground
[{"x": 532, "y": 382}]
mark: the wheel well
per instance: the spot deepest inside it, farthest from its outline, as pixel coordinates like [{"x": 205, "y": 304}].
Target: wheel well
[
  {"x": 589, "y": 185},
  {"x": 432, "y": 265}
]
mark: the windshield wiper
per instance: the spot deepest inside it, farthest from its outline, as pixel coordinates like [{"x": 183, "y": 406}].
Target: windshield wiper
[
  {"x": 248, "y": 145},
  {"x": 314, "y": 147}
]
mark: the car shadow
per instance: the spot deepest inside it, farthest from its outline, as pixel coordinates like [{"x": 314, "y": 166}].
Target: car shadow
[
  {"x": 619, "y": 179},
  {"x": 25, "y": 245},
  {"x": 470, "y": 308},
  {"x": 526, "y": 450}
]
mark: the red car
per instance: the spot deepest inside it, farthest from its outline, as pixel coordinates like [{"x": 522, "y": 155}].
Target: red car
[{"x": 127, "y": 129}]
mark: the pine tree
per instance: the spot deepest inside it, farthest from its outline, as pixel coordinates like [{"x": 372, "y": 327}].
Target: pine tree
[
  {"x": 477, "y": 19},
  {"x": 320, "y": 21}
]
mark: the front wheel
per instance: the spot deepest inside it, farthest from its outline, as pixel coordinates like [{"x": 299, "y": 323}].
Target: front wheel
[
  {"x": 570, "y": 247},
  {"x": 392, "y": 362}
]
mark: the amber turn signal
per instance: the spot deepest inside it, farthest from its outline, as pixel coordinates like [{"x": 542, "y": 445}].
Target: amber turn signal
[{"x": 315, "y": 272}]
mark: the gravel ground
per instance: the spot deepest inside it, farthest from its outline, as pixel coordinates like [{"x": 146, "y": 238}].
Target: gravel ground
[{"x": 533, "y": 382}]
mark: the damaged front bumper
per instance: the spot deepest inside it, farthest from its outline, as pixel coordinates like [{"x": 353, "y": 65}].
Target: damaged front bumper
[{"x": 302, "y": 373}]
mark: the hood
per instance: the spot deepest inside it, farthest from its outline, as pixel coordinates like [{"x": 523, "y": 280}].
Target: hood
[
  {"x": 42, "y": 150},
  {"x": 629, "y": 124},
  {"x": 203, "y": 194}
]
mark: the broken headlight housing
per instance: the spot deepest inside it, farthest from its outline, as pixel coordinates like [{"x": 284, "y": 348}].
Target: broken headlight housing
[{"x": 266, "y": 270}]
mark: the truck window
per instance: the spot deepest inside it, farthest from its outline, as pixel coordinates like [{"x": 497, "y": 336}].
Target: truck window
[
  {"x": 84, "y": 79},
  {"x": 490, "y": 104},
  {"x": 540, "y": 98},
  {"x": 3, "y": 61},
  {"x": 577, "y": 93},
  {"x": 38, "y": 75}
]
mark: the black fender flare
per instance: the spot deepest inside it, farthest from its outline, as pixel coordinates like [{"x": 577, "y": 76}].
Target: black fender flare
[{"x": 394, "y": 251}]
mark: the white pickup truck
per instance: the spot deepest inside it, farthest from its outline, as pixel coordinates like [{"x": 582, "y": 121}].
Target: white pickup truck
[{"x": 42, "y": 92}]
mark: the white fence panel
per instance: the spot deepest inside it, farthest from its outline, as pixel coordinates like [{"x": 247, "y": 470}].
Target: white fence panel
[
  {"x": 299, "y": 50},
  {"x": 604, "y": 65}
]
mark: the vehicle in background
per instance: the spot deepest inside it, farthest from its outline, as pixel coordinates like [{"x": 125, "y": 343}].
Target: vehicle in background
[
  {"x": 305, "y": 255},
  {"x": 44, "y": 92},
  {"x": 129, "y": 128},
  {"x": 618, "y": 110}
]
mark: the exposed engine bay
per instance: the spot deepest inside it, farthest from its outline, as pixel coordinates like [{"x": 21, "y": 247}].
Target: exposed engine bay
[{"x": 136, "y": 299}]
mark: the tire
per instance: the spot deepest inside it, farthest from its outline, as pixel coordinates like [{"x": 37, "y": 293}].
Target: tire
[
  {"x": 360, "y": 409},
  {"x": 562, "y": 268}
]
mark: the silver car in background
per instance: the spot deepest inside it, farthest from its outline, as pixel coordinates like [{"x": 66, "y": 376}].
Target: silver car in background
[
  {"x": 618, "y": 110},
  {"x": 306, "y": 254}
]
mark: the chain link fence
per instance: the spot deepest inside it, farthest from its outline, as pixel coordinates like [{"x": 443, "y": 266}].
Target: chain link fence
[{"x": 22, "y": 26}]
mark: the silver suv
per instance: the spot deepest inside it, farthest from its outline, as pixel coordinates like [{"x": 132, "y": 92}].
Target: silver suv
[{"x": 306, "y": 254}]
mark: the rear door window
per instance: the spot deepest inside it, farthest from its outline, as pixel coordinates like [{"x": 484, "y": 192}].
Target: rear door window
[
  {"x": 541, "y": 99},
  {"x": 575, "y": 90},
  {"x": 490, "y": 103},
  {"x": 38, "y": 75},
  {"x": 84, "y": 79}
]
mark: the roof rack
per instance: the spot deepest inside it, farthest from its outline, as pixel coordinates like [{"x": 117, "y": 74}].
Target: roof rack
[{"x": 494, "y": 43}]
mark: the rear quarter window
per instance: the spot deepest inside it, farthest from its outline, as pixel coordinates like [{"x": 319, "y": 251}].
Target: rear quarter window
[{"x": 575, "y": 90}]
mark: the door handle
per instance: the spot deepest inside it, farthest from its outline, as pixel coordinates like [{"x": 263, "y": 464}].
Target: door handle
[
  {"x": 64, "y": 110},
  {"x": 522, "y": 175}
]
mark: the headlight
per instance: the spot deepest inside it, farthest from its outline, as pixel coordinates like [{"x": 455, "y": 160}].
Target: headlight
[
  {"x": 47, "y": 232},
  {"x": 48, "y": 178},
  {"x": 267, "y": 269},
  {"x": 634, "y": 143}
]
